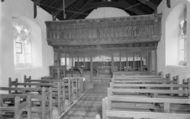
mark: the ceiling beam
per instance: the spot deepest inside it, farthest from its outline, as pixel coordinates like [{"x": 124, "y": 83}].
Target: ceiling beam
[
  {"x": 60, "y": 9},
  {"x": 120, "y": 4},
  {"x": 83, "y": 8},
  {"x": 148, "y": 3},
  {"x": 69, "y": 2}
]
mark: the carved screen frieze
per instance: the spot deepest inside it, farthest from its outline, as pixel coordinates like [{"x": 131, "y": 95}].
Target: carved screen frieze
[{"x": 104, "y": 31}]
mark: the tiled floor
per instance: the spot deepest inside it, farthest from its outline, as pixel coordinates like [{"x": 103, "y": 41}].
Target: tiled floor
[{"x": 87, "y": 107}]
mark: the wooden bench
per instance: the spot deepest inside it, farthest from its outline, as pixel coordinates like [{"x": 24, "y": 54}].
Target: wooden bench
[
  {"x": 71, "y": 87},
  {"x": 58, "y": 93},
  {"x": 139, "y": 74},
  {"x": 170, "y": 87},
  {"x": 127, "y": 73},
  {"x": 12, "y": 106},
  {"x": 145, "y": 96},
  {"x": 57, "y": 72},
  {"x": 30, "y": 80},
  {"x": 143, "y": 80},
  {"x": 74, "y": 87},
  {"x": 39, "y": 103},
  {"x": 120, "y": 103},
  {"x": 164, "y": 112},
  {"x": 15, "y": 83},
  {"x": 153, "y": 91},
  {"x": 150, "y": 83}
]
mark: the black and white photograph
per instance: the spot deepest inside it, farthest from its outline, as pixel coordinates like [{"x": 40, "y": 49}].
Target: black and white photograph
[{"x": 94, "y": 59}]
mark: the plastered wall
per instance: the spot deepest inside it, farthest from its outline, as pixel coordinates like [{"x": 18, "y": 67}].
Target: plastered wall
[
  {"x": 21, "y": 8},
  {"x": 182, "y": 71}
]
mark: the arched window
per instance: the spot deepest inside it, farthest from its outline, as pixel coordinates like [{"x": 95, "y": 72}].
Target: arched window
[
  {"x": 22, "y": 45},
  {"x": 176, "y": 28},
  {"x": 27, "y": 43},
  {"x": 182, "y": 41}
]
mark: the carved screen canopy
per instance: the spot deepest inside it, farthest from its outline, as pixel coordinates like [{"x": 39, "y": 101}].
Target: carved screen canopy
[{"x": 135, "y": 29}]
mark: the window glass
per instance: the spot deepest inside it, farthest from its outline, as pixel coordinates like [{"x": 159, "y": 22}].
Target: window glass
[{"x": 22, "y": 45}]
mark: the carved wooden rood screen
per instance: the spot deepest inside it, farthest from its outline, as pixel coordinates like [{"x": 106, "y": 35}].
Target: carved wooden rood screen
[{"x": 101, "y": 46}]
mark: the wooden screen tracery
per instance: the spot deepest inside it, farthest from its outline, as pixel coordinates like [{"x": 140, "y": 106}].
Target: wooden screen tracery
[
  {"x": 134, "y": 39},
  {"x": 104, "y": 31}
]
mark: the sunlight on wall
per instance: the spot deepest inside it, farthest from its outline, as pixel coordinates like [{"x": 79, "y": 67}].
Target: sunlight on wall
[
  {"x": 36, "y": 43},
  {"x": 172, "y": 34},
  {"x": 106, "y": 12}
]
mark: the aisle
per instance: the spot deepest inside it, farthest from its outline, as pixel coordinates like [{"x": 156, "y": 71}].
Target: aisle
[{"x": 87, "y": 107}]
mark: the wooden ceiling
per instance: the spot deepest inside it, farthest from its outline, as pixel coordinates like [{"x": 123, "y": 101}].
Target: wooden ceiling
[{"x": 79, "y": 9}]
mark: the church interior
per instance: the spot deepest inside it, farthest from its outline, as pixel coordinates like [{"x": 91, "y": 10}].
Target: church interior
[{"x": 94, "y": 59}]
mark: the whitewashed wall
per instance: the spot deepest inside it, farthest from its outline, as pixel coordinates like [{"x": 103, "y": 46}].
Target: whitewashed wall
[
  {"x": 182, "y": 71},
  {"x": 21, "y": 8}
]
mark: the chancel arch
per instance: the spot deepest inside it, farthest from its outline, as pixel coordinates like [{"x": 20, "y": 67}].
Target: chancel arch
[{"x": 107, "y": 12}]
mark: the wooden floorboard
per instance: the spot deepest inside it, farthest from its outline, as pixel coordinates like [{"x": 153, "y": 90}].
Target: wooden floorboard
[{"x": 86, "y": 107}]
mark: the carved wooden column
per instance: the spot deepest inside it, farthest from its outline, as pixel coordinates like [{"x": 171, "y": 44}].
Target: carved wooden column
[
  {"x": 112, "y": 63},
  {"x": 141, "y": 61},
  {"x": 120, "y": 61},
  {"x": 133, "y": 61},
  {"x": 149, "y": 62},
  {"x": 155, "y": 60},
  {"x": 91, "y": 68},
  {"x": 84, "y": 61},
  {"x": 78, "y": 61},
  {"x": 66, "y": 61},
  {"x": 72, "y": 61},
  {"x": 127, "y": 61},
  {"x": 57, "y": 56},
  {"x": 72, "y": 71}
]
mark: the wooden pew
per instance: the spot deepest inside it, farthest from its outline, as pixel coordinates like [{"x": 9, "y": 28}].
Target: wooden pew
[
  {"x": 30, "y": 80},
  {"x": 15, "y": 83},
  {"x": 116, "y": 103},
  {"x": 57, "y": 72},
  {"x": 127, "y": 73},
  {"x": 165, "y": 112},
  {"x": 71, "y": 89},
  {"x": 142, "y": 81},
  {"x": 68, "y": 89},
  {"x": 39, "y": 102},
  {"x": 58, "y": 94},
  {"x": 145, "y": 79},
  {"x": 147, "y": 97},
  {"x": 12, "y": 104},
  {"x": 150, "y": 92},
  {"x": 150, "y": 86},
  {"x": 139, "y": 74},
  {"x": 140, "y": 77},
  {"x": 57, "y": 90},
  {"x": 171, "y": 85}
]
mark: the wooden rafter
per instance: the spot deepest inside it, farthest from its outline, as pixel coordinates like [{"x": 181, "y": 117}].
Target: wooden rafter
[
  {"x": 148, "y": 3},
  {"x": 69, "y": 2},
  {"x": 119, "y": 4},
  {"x": 36, "y": 2}
]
